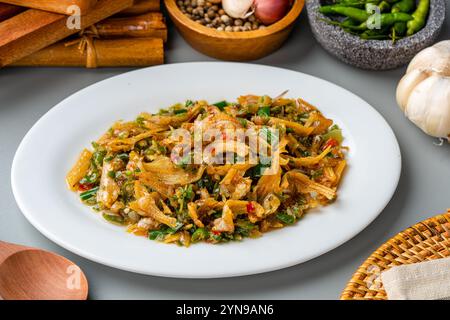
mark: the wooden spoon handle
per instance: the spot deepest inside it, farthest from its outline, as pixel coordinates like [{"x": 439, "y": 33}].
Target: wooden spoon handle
[{"x": 7, "y": 249}]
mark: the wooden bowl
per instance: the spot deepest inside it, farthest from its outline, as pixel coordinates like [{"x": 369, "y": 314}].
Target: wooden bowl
[{"x": 235, "y": 46}]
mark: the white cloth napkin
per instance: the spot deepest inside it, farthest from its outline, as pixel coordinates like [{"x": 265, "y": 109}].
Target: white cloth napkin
[{"x": 428, "y": 280}]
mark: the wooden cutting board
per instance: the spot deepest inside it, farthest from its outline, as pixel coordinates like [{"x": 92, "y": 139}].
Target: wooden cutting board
[
  {"x": 34, "y": 29},
  {"x": 58, "y": 6}
]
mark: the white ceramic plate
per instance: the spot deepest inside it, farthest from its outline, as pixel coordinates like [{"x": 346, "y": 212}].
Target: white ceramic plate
[{"x": 50, "y": 148}]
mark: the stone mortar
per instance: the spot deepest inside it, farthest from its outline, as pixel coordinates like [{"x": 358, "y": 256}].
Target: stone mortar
[{"x": 374, "y": 54}]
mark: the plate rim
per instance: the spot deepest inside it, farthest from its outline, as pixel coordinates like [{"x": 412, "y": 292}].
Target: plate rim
[{"x": 256, "y": 270}]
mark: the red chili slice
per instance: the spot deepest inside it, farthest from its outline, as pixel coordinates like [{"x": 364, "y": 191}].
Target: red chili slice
[
  {"x": 84, "y": 187},
  {"x": 250, "y": 207},
  {"x": 331, "y": 143}
]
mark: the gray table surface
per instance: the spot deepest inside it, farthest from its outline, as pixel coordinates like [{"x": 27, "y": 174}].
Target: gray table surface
[{"x": 424, "y": 189}]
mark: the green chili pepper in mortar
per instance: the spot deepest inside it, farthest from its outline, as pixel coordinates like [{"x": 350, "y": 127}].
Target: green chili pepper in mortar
[
  {"x": 420, "y": 17},
  {"x": 353, "y": 13},
  {"x": 367, "y": 36},
  {"x": 349, "y": 23},
  {"x": 388, "y": 19},
  {"x": 357, "y": 3},
  {"x": 375, "y": 34},
  {"x": 405, "y": 6},
  {"x": 383, "y": 6},
  {"x": 348, "y": 26},
  {"x": 399, "y": 28}
]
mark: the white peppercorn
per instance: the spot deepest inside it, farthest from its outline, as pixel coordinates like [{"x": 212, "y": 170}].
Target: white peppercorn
[{"x": 226, "y": 19}]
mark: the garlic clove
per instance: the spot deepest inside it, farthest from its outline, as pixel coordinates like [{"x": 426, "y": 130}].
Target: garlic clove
[
  {"x": 238, "y": 9},
  {"x": 429, "y": 106},
  {"x": 436, "y": 58},
  {"x": 407, "y": 85}
]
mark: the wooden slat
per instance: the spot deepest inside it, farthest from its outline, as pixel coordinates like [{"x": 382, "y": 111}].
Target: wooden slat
[
  {"x": 34, "y": 29},
  {"x": 57, "y": 6},
  {"x": 151, "y": 24},
  {"x": 141, "y": 7},
  {"x": 130, "y": 52},
  {"x": 7, "y": 11}
]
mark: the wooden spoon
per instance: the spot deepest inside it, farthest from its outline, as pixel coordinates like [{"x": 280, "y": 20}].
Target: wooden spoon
[{"x": 34, "y": 274}]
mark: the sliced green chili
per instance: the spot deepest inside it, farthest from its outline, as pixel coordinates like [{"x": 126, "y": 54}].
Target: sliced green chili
[
  {"x": 89, "y": 194},
  {"x": 285, "y": 218},
  {"x": 114, "y": 218},
  {"x": 264, "y": 111},
  {"x": 199, "y": 235},
  {"x": 157, "y": 235},
  {"x": 221, "y": 104},
  {"x": 179, "y": 111}
]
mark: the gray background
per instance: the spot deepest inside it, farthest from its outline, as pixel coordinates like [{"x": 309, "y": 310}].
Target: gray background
[{"x": 424, "y": 189}]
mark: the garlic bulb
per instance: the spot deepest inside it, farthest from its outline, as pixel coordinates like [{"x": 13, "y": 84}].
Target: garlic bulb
[
  {"x": 436, "y": 58},
  {"x": 238, "y": 9},
  {"x": 424, "y": 92}
]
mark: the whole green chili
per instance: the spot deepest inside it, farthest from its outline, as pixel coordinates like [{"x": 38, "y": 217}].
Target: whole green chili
[
  {"x": 357, "y": 3},
  {"x": 388, "y": 19},
  {"x": 348, "y": 26},
  {"x": 349, "y": 22},
  {"x": 353, "y": 13},
  {"x": 405, "y": 6},
  {"x": 370, "y": 35},
  {"x": 419, "y": 17},
  {"x": 399, "y": 28},
  {"x": 384, "y": 6}
]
